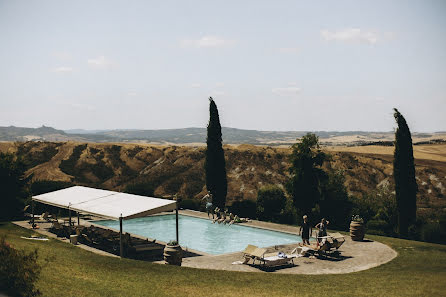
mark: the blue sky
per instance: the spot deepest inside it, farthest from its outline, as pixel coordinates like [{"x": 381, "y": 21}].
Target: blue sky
[{"x": 269, "y": 65}]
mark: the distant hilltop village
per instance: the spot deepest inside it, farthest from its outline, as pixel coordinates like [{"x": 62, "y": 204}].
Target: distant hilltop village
[{"x": 198, "y": 136}]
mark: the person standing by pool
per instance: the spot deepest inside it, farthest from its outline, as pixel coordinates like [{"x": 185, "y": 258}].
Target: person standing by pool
[
  {"x": 305, "y": 231},
  {"x": 209, "y": 209},
  {"x": 322, "y": 226}
]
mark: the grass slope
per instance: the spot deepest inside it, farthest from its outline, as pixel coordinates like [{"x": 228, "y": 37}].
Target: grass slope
[{"x": 419, "y": 270}]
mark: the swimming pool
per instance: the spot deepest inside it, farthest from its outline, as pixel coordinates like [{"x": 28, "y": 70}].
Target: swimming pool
[{"x": 201, "y": 234}]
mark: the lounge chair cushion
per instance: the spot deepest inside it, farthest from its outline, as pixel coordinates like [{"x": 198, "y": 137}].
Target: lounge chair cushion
[
  {"x": 249, "y": 249},
  {"x": 259, "y": 253},
  {"x": 276, "y": 260}
]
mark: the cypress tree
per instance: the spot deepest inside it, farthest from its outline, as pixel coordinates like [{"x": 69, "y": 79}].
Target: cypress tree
[
  {"x": 404, "y": 175},
  {"x": 215, "y": 165}
]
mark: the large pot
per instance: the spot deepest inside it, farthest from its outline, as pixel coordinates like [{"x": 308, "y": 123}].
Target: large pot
[
  {"x": 173, "y": 254},
  {"x": 357, "y": 231}
]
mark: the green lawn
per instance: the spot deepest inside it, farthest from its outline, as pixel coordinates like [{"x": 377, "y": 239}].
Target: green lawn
[{"x": 419, "y": 270}]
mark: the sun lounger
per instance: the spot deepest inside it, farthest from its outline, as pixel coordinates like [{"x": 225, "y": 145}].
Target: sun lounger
[
  {"x": 278, "y": 260},
  {"x": 338, "y": 240},
  {"x": 326, "y": 245},
  {"x": 301, "y": 251},
  {"x": 147, "y": 247},
  {"x": 247, "y": 253},
  {"x": 272, "y": 259}
]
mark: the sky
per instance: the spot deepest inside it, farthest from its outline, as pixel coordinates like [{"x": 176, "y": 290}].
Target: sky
[{"x": 269, "y": 65}]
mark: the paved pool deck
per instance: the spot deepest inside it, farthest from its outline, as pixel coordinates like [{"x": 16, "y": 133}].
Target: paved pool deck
[{"x": 354, "y": 256}]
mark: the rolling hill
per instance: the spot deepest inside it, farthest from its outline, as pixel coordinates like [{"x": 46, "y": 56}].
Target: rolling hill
[
  {"x": 196, "y": 136},
  {"x": 179, "y": 169}
]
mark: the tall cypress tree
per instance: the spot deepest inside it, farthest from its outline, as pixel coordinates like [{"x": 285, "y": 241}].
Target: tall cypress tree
[
  {"x": 215, "y": 164},
  {"x": 404, "y": 175}
]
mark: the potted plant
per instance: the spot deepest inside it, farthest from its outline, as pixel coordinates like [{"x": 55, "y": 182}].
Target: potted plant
[
  {"x": 357, "y": 228},
  {"x": 173, "y": 253}
]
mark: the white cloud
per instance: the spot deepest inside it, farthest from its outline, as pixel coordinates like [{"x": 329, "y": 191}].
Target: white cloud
[
  {"x": 351, "y": 35},
  {"x": 287, "y": 91},
  {"x": 63, "y": 69},
  {"x": 195, "y": 85},
  {"x": 100, "y": 62},
  {"x": 289, "y": 50},
  {"x": 207, "y": 42}
]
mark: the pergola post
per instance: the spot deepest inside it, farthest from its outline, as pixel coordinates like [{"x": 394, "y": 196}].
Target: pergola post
[
  {"x": 78, "y": 218},
  {"x": 121, "y": 244},
  {"x": 32, "y": 213},
  {"x": 69, "y": 216},
  {"x": 176, "y": 219}
]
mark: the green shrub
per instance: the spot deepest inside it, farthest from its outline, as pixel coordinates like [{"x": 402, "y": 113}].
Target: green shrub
[
  {"x": 193, "y": 187},
  {"x": 173, "y": 185},
  {"x": 335, "y": 204},
  {"x": 44, "y": 186},
  {"x": 434, "y": 230},
  {"x": 141, "y": 188},
  {"x": 244, "y": 208},
  {"x": 189, "y": 204},
  {"x": 19, "y": 271},
  {"x": 13, "y": 187},
  {"x": 377, "y": 227},
  {"x": 271, "y": 201},
  {"x": 379, "y": 206},
  {"x": 289, "y": 214}
]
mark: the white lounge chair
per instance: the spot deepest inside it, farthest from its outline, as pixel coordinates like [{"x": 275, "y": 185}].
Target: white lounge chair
[{"x": 272, "y": 259}]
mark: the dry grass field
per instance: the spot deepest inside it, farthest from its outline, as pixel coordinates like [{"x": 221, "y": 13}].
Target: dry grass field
[{"x": 435, "y": 152}]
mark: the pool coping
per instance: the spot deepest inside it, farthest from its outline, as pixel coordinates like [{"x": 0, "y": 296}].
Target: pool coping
[
  {"x": 202, "y": 215},
  {"x": 357, "y": 256},
  {"x": 199, "y": 253}
]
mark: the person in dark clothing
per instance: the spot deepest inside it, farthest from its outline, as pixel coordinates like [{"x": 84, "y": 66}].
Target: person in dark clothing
[
  {"x": 305, "y": 231},
  {"x": 322, "y": 226}
]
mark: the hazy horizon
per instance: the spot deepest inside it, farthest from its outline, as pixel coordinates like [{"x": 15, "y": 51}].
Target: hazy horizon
[
  {"x": 182, "y": 128},
  {"x": 270, "y": 66}
]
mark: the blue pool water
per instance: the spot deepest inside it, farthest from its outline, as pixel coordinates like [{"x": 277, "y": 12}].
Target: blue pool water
[{"x": 202, "y": 235}]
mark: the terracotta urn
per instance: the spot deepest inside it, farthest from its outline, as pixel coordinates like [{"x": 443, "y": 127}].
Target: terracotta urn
[
  {"x": 173, "y": 254},
  {"x": 357, "y": 230}
]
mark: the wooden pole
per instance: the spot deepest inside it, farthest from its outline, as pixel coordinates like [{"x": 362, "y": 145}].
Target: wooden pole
[
  {"x": 32, "y": 213},
  {"x": 69, "y": 217},
  {"x": 176, "y": 218},
  {"x": 121, "y": 244},
  {"x": 78, "y": 218}
]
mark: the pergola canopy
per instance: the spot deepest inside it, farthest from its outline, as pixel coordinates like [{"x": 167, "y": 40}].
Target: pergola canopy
[{"x": 104, "y": 203}]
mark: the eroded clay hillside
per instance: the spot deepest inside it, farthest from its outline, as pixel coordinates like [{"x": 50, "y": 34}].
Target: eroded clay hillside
[{"x": 179, "y": 169}]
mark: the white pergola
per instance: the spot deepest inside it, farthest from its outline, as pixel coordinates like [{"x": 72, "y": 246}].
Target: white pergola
[{"x": 107, "y": 204}]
